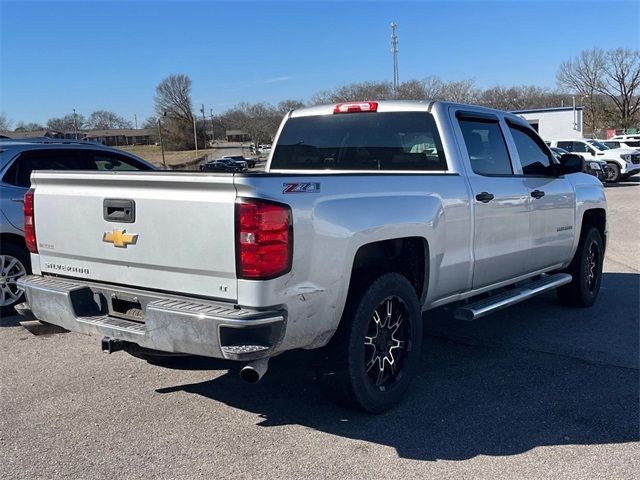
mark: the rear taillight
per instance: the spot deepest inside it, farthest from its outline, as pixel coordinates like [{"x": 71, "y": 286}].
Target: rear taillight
[
  {"x": 30, "y": 222},
  {"x": 353, "y": 107},
  {"x": 264, "y": 239}
]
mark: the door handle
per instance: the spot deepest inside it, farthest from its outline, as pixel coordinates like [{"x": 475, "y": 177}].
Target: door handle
[
  {"x": 484, "y": 197},
  {"x": 537, "y": 194}
]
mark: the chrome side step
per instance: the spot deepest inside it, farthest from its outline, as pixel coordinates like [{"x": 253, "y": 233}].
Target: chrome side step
[{"x": 475, "y": 310}]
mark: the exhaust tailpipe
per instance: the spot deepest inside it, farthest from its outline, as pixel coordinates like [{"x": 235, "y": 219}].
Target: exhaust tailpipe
[{"x": 252, "y": 372}]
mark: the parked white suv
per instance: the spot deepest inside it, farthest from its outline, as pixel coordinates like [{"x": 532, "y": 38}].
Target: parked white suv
[
  {"x": 622, "y": 162},
  {"x": 626, "y": 137},
  {"x": 634, "y": 144}
]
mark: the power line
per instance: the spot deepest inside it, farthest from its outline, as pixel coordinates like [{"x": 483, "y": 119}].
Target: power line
[{"x": 394, "y": 51}]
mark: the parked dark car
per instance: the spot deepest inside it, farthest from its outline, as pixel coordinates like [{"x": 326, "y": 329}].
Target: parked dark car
[
  {"x": 251, "y": 162},
  {"x": 597, "y": 168},
  {"x": 18, "y": 158},
  {"x": 223, "y": 165}
]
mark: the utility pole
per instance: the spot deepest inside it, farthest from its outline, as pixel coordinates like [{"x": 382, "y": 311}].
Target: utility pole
[
  {"x": 164, "y": 164},
  {"x": 135, "y": 119},
  {"x": 75, "y": 123},
  {"x": 204, "y": 126},
  {"x": 394, "y": 51},
  {"x": 213, "y": 135},
  {"x": 195, "y": 138}
]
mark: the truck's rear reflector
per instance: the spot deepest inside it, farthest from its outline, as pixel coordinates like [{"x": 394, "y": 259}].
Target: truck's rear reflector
[
  {"x": 30, "y": 222},
  {"x": 264, "y": 239},
  {"x": 353, "y": 107}
]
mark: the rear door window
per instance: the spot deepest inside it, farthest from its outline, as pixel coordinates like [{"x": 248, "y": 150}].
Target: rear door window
[
  {"x": 396, "y": 141},
  {"x": 66, "y": 159},
  {"x": 486, "y": 146},
  {"x": 111, "y": 161},
  {"x": 43, "y": 159},
  {"x": 568, "y": 146},
  {"x": 579, "y": 147}
]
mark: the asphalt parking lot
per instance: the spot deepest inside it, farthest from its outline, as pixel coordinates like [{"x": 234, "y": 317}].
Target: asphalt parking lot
[{"x": 535, "y": 391}]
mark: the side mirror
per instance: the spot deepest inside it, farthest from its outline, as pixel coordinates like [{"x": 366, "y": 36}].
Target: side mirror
[{"x": 570, "y": 163}]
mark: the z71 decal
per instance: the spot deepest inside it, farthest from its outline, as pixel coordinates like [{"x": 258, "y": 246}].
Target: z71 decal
[{"x": 301, "y": 188}]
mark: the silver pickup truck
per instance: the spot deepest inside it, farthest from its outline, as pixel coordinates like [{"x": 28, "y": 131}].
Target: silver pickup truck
[{"x": 368, "y": 215}]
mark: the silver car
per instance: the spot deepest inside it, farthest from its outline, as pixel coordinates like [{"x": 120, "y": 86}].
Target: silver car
[{"x": 17, "y": 160}]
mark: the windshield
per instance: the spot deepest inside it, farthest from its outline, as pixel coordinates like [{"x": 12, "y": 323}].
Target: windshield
[
  {"x": 598, "y": 145},
  {"x": 360, "y": 141}
]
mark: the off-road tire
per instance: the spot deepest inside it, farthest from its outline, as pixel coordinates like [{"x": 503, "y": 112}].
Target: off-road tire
[
  {"x": 586, "y": 270},
  {"x": 343, "y": 372}
]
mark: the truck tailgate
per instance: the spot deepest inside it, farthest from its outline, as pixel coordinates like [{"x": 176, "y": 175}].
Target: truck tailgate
[{"x": 181, "y": 238}]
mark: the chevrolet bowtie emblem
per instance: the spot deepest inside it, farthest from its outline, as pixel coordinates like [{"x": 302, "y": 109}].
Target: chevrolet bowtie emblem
[{"x": 120, "y": 238}]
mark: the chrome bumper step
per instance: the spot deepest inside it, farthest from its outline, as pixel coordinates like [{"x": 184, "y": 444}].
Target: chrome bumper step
[
  {"x": 169, "y": 323},
  {"x": 115, "y": 323}
]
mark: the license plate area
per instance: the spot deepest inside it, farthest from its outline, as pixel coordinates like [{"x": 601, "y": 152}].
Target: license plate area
[{"x": 128, "y": 308}]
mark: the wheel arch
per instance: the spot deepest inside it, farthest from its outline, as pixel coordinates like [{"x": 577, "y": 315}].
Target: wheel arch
[
  {"x": 13, "y": 239},
  {"x": 408, "y": 256},
  {"x": 595, "y": 217}
]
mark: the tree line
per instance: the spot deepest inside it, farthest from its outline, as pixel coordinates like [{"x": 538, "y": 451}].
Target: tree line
[
  {"x": 98, "y": 120},
  {"x": 605, "y": 83}
]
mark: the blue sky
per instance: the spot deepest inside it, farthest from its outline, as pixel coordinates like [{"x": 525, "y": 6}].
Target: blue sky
[{"x": 110, "y": 55}]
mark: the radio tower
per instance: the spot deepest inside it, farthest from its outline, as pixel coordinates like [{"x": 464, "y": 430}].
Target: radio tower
[{"x": 394, "y": 51}]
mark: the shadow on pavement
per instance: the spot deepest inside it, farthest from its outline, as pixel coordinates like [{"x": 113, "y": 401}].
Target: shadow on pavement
[
  {"x": 537, "y": 374},
  {"x": 10, "y": 320},
  {"x": 628, "y": 182}
]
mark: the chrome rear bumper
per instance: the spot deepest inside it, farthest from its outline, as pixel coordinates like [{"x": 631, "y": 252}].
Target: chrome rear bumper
[{"x": 168, "y": 323}]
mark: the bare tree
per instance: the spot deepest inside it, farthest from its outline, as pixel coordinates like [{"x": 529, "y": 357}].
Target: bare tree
[
  {"x": 150, "y": 122},
  {"x": 621, "y": 83},
  {"x": 104, "y": 120},
  {"x": 28, "y": 127},
  {"x": 582, "y": 75},
  {"x": 259, "y": 121},
  {"x": 355, "y": 92},
  {"x": 461, "y": 91},
  {"x": 173, "y": 96},
  {"x": 173, "y": 103},
  {"x": 412, "y": 90},
  {"x": 5, "y": 123},
  {"x": 614, "y": 75},
  {"x": 68, "y": 123},
  {"x": 286, "y": 106},
  {"x": 430, "y": 88}
]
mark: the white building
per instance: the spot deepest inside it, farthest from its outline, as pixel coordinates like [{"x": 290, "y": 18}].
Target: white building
[{"x": 554, "y": 123}]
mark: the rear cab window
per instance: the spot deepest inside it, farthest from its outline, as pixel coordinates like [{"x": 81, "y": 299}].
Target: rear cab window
[
  {"x": 383, "y": 141},
  {"x": 486, "y": 146}
]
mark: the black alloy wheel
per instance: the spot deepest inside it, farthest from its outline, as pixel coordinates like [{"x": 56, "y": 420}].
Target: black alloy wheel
[{"x": 386, "y": 343}]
